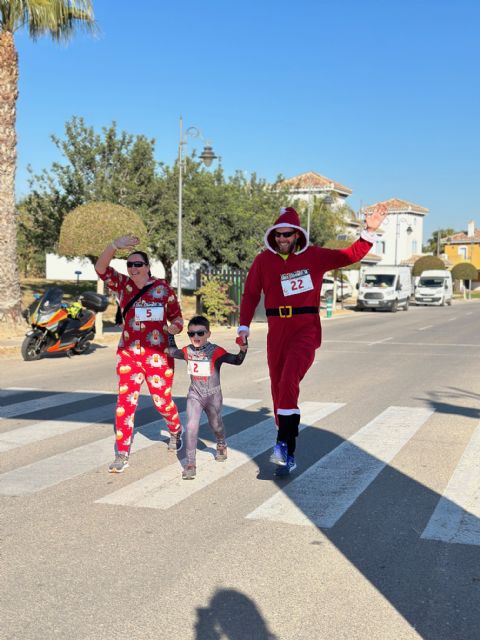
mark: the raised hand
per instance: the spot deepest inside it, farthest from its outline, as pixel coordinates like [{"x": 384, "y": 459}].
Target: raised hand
[
  {"x": 374, "y": 218},
  {"x": 126, "y": 242}
]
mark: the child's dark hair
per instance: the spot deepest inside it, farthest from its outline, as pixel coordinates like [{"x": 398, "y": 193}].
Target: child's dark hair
[
  {"x": 144, "y": 257},
  {"x": 200, "y": 320}
]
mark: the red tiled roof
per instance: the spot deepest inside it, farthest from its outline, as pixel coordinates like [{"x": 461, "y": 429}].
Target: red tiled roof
[
  {"x": 313, "y": 180},
  {"x": 396, "y": 205},
  {"x": 462, "y": 238}
]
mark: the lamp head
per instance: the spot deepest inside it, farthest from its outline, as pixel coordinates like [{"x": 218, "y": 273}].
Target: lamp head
[{"x": 207, "y": 156}]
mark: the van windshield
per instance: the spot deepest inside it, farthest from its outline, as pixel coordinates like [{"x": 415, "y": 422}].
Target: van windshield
[
  {"x": 431, "y": 282},
  {"x": 379, "y": 280}
]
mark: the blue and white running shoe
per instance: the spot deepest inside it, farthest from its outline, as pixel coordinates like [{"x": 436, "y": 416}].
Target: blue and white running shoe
[
  {"x": 288, "y": 468},
  {"x": 279, "y": 455}
]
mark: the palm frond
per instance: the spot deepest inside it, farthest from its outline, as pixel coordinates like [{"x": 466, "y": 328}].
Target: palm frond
[{"x": 57, "y": 18}]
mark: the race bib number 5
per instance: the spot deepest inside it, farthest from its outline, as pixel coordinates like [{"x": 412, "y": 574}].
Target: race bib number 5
[
  {"x": 198, "y": 368},
  {"x": 149, "y": 314},
  {"x": 296, "y": 282}
]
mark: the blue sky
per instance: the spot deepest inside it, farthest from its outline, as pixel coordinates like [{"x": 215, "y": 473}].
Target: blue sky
[{"x": 382, "y": 96}]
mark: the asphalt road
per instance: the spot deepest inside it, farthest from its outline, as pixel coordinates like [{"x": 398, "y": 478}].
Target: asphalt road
[{"x": 377, "y": 535}]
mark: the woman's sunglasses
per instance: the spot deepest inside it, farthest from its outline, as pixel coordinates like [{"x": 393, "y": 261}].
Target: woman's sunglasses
[
  {"x": 201, "y": 333},
  {"x": 284, "y": 234},
  {"x": 135, "y": 263}
]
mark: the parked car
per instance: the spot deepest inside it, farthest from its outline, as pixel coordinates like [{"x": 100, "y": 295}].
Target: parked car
[
  {"x": 434, "y": 288},
  {"x": 344, "y": 288},
  {"x": 384, "y": 287}
]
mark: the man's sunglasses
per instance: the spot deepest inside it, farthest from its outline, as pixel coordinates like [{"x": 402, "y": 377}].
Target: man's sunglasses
[
  {"x": 135, "y": 263},
  {"x": 284, "y": 234},
  {"x": 201, "y": 333}
]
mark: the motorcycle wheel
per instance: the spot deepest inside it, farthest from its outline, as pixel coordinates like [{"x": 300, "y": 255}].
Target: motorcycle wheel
[
  {"x": 82, "y": 347},
  {"x": 32, "y": 348}
]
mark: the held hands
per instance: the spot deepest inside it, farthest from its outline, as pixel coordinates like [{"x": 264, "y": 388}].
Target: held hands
[
  {"x": 175, "y": 326},
  {"x": 375, "y": 218},
  {"x": 242, "y": 343},
  {"x": 126, "y": 242}
]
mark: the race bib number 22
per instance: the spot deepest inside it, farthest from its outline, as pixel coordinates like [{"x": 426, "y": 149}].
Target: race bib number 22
[{"x": 296, "y": 282}]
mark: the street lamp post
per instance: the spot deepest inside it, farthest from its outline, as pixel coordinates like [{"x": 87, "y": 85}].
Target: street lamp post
[{"x": 207, "y": 156}]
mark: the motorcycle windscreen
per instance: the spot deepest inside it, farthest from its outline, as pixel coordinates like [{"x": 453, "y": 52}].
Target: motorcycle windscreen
[{"x": 51, "y": 300}]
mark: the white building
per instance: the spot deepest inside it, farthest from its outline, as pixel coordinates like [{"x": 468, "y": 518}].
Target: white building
[{"x": 401, "y": 235}]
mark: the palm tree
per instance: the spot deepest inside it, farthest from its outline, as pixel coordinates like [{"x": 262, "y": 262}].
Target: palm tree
[{"x": 59, "y": 19}]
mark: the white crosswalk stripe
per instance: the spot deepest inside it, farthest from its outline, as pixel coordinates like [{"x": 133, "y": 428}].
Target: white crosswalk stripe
[
  {"x": 165, "y": 488},
  {"x": 457, "y": 515},
  {"x": 323, "y": 493},
  {"x": 47, "y": 402},
  {"x": 70, "y": 464}
]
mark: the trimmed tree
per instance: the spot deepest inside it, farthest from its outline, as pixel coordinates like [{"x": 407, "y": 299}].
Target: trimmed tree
[
  {"x": 59, "y": 19},
  {"x": 427, "y": 263},
  {"x": 465, "y": 271},
  {"x": 88, "y": 229}
]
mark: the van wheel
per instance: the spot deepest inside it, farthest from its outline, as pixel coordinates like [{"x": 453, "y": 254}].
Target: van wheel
[
  {"x": 395, "y": 306},
  {"x": 442, "y": 304},
  {"x": 449, "y": 302},
  {"x": 407, "y": 303}
]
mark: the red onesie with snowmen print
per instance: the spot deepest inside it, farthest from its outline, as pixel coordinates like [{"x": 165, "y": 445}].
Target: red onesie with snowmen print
[{"x": 141, "y": 353}]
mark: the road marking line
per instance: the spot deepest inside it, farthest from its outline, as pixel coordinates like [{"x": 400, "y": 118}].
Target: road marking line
[
  {"x": 64, "y": 466},
  {"x": 323, "y": 493},
  {"x": 381, "y": 341},
  {"x": 429, "y": 326},
  {"x": 47, "y": 402},
  {"x": 452, "y": 319},
  {"x": 457, "y": 515},
  {"x": 165, "y": 488},
  {"x": 50, "y": 428},
  {"x": 416, "y": 344}
]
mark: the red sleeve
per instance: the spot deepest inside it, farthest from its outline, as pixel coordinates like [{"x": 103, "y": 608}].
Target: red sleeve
[
  {"x": 115, "y": 281},
  {"x": 337, "y": 258},
  {"x": 218, "y": 353},
  {"x": 251, "y": 293},
  {"x": 173, "y": 308}
]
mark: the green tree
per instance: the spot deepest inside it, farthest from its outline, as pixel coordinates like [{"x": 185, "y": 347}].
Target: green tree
[
  {"x": 433, "y": 244},
  {"x": 465, "y": 271},
  {"x": 88, "y": 229},
  {"x": 59, "y": 19},
  {"x": 426, "y": 262}
]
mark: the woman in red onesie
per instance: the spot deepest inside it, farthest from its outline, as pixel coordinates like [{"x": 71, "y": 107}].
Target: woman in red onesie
[
  {"x": 290, "y": 274},
  {"x": 147, "y": 303}
]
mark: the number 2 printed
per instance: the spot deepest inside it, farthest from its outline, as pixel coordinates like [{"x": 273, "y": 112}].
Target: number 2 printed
[{"x": 297, "y": 284}]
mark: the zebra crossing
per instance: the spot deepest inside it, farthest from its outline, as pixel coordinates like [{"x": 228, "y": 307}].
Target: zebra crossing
[{"x": 317, "y": 496}]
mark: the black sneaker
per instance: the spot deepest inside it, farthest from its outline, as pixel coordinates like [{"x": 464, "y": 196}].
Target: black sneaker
[
  {"x": 119, "y": 464},
  {"x": 221, "y": 453}
]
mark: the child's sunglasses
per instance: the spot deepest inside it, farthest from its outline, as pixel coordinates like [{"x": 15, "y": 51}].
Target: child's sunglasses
[
  {"x": 284, "y": 234},
  {"x": 201, "y": 333},
  {"x": 135, "y": 263}
]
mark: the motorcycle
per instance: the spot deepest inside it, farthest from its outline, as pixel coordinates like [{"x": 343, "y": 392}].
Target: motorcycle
[{"x": 58, "y": 326}]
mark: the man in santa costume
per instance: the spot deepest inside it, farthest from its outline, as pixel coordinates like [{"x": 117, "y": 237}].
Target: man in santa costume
[{"x": 290, "y": 274}]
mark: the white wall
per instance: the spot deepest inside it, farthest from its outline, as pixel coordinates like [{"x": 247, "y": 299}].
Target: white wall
[
  {"x": 395, "y": 232},
  {"x": 61, "y": 268}
]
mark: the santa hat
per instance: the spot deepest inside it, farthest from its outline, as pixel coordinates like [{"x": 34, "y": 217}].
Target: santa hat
[{"x": 288, "y": 218}]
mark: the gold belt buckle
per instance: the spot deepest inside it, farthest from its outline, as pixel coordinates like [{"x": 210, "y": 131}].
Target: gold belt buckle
[{"x": 288, "y": 310}]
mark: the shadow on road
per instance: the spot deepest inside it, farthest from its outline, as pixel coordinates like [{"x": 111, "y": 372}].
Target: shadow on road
[{"x": 231, "y": 615}]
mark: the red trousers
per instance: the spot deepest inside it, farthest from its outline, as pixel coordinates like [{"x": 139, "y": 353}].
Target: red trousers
[
  {"x": 291, "y": 346},
  {"x": 157, "y": 370}
]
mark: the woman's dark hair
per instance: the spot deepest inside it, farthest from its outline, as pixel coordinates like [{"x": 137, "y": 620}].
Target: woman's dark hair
[
  {"x": 144, "y": 257},
  {"x": 200, "y": 320}
]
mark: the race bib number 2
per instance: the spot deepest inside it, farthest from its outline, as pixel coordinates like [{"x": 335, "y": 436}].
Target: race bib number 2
[
  {"x": 296, "y": 282},
  {"x": 198, "y": 368}
]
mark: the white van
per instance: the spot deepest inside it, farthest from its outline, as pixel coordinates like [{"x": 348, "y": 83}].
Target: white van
[
  {"x": 434, "y": 287},
  {"x": 384, "y": 287}
]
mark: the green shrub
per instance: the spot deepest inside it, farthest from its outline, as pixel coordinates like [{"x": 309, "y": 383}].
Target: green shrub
[{"x": 218, "y": 306}]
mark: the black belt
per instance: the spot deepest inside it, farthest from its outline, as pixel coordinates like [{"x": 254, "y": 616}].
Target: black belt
[{"x": 288, "y": 311}]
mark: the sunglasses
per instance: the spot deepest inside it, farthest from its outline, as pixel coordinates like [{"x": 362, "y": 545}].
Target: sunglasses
[
  {"x": 284, "y": 234},
  {"x": 135, "y": 263},
  {"x": 201, "y": 333}
]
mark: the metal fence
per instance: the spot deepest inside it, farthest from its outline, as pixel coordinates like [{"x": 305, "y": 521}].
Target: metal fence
[{"x": 234, "y": 278}]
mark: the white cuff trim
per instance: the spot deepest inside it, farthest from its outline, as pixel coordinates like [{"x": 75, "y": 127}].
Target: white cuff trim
[
  {"x": 243, "y": 327},
  {"x": 369, "y": 237},
  {"x": 288, "y": 412}
]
